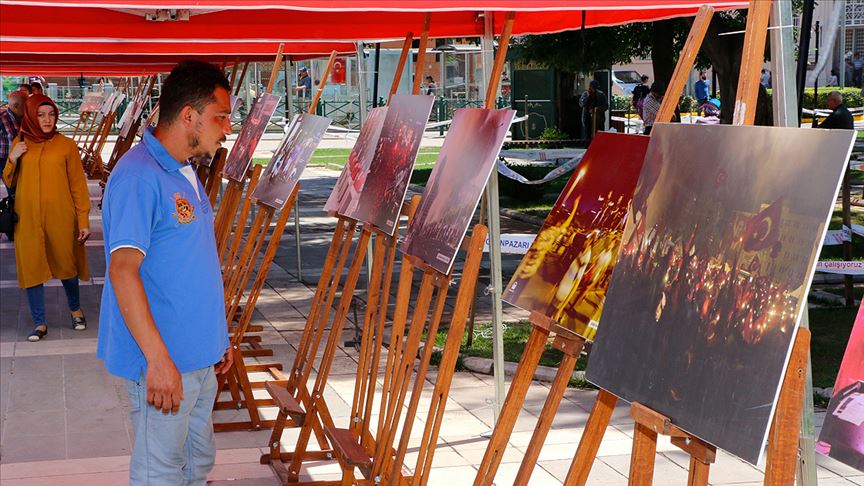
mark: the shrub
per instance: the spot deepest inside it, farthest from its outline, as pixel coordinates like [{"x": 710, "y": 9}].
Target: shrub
[
  {"x": 552, "y": 133},
  {"x": 621, "y": 102},
  {"x": 851, "y": 97}
]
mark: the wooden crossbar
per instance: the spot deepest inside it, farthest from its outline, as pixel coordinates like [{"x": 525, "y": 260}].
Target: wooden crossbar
[{"x": 237, "y": 379}]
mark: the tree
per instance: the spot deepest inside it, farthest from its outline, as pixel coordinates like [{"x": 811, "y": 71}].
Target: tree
[{"x": 585, "y": 51}]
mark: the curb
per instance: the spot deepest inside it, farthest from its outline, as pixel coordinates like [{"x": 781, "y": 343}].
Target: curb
[{"x": 484, "y": 366}]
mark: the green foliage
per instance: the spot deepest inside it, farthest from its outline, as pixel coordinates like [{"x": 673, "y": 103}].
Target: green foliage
[
  {"x": 621, "y": 102},
  {"x": 552, "y": 133},
  {"x": 688, "y": 104},
  {"x": 852, "y": 97}
]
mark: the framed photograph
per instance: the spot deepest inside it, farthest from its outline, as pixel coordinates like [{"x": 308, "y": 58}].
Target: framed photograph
[
  {"x": 387, "y": 182},
  {"x": 290, "y": 159},
  {"x": 251, "y": 132},
  {"x": 567, "y": 270},
  {"x": 345, "y": 196},
  {"x": 454, "y": 188},
  {"x": 717, "y": 257}
]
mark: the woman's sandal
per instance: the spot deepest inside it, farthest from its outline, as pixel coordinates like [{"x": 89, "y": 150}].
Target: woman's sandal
[
  {"x": 79, "y": 323},
  {"x": 37, "y": 335}
]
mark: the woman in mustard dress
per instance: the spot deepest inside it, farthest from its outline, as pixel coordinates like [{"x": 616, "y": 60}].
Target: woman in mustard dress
[{"x": 53, "y": 205}]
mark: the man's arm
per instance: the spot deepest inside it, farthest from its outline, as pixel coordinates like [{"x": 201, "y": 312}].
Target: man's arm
[{"x": 164, "y": 386}]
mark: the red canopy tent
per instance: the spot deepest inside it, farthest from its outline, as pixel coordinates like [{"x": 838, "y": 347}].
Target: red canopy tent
[{"x": 134, "y": 58}]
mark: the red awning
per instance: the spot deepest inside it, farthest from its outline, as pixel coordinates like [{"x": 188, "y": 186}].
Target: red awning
[
  {"x": 276, "y": 21},
  {"x": 132, "y": 51}
]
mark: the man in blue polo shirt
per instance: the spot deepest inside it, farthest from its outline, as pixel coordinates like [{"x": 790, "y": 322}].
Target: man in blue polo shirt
[{"x": 162, "y": 326}]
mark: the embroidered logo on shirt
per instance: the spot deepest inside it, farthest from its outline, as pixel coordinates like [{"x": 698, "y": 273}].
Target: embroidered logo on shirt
[{"x": 185, "y": 211}]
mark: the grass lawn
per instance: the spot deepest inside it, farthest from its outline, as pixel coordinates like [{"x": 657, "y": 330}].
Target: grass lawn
[
  {"x": 335, "y": 158},
  {"x": 831, "y": 327}
]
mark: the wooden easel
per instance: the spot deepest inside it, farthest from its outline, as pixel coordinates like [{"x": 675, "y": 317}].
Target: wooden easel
[
  {"x": 297, "y": 406},
  {"x": 237, "y": 377},
  {"x": 783, "y": 437},
  {"x": 233, "y": 196},
  {"x": 381, "y": 459},
  {"x": 568, "y": 343},
  {"x": 96, "y": 127},
  {"x": 123, "y": 144},
  {"x": 236, "y": 273},
  {"x": 93, "y": 153}
]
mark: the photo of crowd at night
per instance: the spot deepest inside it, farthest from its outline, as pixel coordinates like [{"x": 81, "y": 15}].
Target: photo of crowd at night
[
  {"x": 842, "y": 435},
  {"x": 455, "y": 185},
  {"x": 567, "y": 270},
  {"x": 716, "y": 260},
  {"x": 253, "y": 127},
  {"x": 345, "y": 196},
  {"x": 384, "y": 190},
  {"x": 290, "y": 159}
]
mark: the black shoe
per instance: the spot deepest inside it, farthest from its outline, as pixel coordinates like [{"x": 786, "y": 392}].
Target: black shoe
[
  {"x": 79, "y": 323},
  {"x": 37, "y": 335}
]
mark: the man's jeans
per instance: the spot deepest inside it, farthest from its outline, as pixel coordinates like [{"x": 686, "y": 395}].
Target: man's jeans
[{"x": 172, "y": 450}]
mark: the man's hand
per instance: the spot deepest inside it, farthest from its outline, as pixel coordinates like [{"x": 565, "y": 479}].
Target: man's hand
[
  {"x": 164, "y": 385},
  {"x": 225, "y": 363}
]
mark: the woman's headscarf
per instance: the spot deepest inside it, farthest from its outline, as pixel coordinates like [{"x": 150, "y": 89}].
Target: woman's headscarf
[{"x": 30, "y": 124}]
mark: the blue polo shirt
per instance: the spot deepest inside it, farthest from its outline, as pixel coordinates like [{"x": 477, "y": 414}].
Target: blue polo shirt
[{"x": 150, "y": 205}]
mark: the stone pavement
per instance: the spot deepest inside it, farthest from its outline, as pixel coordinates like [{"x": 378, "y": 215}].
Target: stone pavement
[{"x": 64, "y": 419}]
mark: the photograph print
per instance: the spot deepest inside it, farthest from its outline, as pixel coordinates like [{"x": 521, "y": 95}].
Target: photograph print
[
  {"x": 346, "y": 193},
  {"x": 455, "y": 185},
  {"x": 387, "y": 182},
  {"x": 566, "y": 272},
  {"x": 842, "y": 435},
  {"x": 251, "y": 132},
  {"x": 285, "y": 168},
  {"x": 716, "y": 259}
]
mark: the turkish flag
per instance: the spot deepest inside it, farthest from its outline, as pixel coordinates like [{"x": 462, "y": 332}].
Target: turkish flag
[{"x": 763, "y": 230}]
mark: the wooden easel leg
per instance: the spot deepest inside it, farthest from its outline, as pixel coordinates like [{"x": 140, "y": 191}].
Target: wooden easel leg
[
  {"x": 572, "y": 349},
  {"x": 698, "y": 475},
  {"x": 642, "y": 456},
  {"x": 783, "y": 437},
  {"x": 591, "y": 438},
  {"x": 512, "y": 406}
]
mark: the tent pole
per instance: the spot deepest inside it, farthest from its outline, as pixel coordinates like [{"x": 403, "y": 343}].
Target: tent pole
[
  {"x": 785, "y": 101},
  {"x": 487, "y": 56},
  {"x": 362, "y": 64}
]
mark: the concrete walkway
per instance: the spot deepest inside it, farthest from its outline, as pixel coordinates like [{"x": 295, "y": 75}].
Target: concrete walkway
[{"x": 64, "y": 419}]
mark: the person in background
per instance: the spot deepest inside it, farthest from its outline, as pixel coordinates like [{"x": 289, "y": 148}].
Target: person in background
[
  {"x": 594, "y": 104},
  {"x": 431, "y": 87},
  {"x": 53, "y": 206},
  {"x": 304, "y": 83},
  {"x": 765, "y": 79},
  {"x": 639, "y": 93},
  {"x": 652, "y": 105},
  {"x": 36, "y": 88},
  {"x": 832, "y": 79},
  {"x": 702, "y": 87},
  {"x": 840, "y": 116},
  {"x": 25, "y": 87},
  {"x": 10, "y": 123},
  {"x": 162, "y": 326},
  {"x": 857, "y": 67}
]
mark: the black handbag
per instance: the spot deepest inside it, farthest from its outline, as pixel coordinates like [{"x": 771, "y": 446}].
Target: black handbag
[{"x": 8, "y": 217}]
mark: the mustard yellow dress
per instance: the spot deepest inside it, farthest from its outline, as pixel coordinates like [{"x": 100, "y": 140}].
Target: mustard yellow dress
[{"x": 53, "y": 203}]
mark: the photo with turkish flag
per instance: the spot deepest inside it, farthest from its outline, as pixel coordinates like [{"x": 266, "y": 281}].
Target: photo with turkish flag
[{"x": 717, "y": 257}]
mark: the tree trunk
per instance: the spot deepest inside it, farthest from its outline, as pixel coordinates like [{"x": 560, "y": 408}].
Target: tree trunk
[
  {"x": 663, "y": 52},
  {"x": 724, "y": 52}
]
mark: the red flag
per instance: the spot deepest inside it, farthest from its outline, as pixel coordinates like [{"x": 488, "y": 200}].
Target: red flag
[{"x": 763, "y": 230}]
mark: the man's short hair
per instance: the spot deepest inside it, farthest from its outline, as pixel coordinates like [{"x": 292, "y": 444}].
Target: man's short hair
[
  {"x": 36, "y": 85},
  {"x": 644, "y": 78},
  {"x": 190, "y": 83},
  {"x": 836, "y": 95},
  {"x": 25, "y": 87}
]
